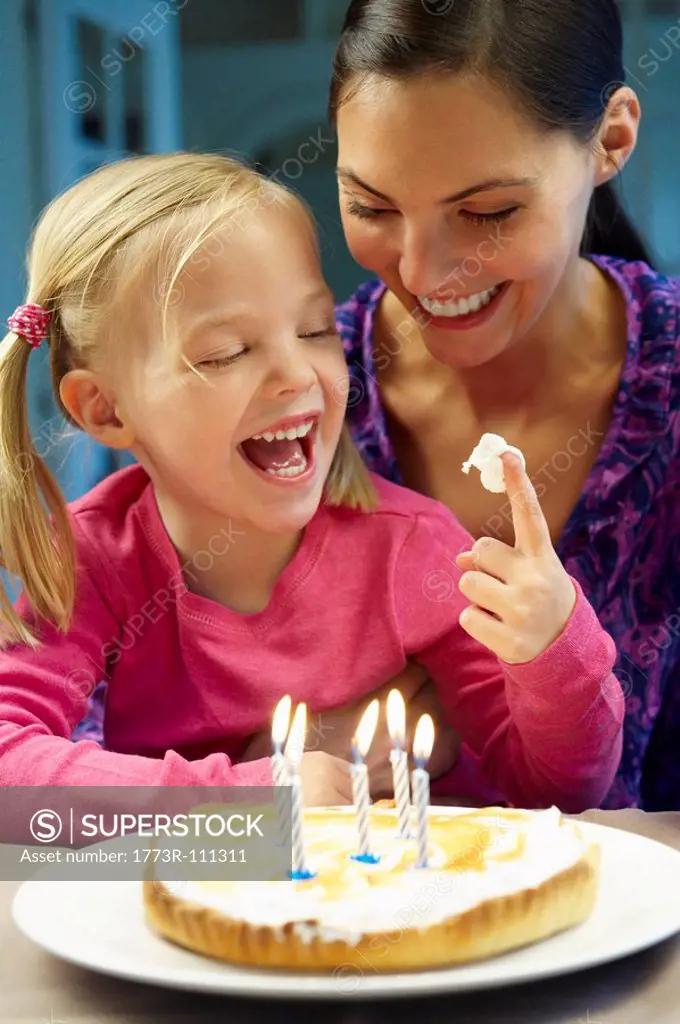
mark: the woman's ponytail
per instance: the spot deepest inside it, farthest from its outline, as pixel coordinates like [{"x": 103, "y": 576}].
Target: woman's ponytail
[
  {"x": 609, "y": 230},
  {"x": 36, "y": 542}
]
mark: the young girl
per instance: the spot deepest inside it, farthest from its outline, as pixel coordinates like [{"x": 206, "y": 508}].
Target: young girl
[{"x": 249, "y": 553}]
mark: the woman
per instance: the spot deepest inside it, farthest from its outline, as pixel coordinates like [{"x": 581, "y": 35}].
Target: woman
[{"x": 476, "y": 147}]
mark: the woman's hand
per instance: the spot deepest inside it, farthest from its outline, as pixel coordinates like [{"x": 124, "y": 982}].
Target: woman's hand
[
  {"x": 423, "y": 701},
  {"x": 326, "y": 780},
  {"x": 522, "y": 597},
  {"x": 332, "y": 731}
]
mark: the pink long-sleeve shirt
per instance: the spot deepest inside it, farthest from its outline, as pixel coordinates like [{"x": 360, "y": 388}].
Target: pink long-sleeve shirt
[{"x": 190, "y": 681}]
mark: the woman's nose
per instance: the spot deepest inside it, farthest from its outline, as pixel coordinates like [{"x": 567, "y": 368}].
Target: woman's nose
[{"x": 428, "y": 264}]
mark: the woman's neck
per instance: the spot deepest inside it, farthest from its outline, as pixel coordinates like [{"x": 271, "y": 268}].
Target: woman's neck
[
  {"x": 235, "y": 564},
  {"x": 581, "y": 329}
]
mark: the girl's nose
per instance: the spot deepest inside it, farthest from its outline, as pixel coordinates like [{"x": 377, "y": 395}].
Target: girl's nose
[{"x": 291, "y": 371}]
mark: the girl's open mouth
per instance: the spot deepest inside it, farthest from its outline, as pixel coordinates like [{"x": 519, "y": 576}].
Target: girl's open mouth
[{"x": 285, "y": 452}]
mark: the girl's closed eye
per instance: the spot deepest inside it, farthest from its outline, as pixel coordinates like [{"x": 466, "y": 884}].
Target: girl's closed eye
[{"x": 219, "y": 361}]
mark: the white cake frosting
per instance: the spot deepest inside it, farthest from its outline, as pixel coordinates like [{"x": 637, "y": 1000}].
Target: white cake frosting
[
  {"x": 486, "y": 458},
  {"x": 491, "y": 854}
]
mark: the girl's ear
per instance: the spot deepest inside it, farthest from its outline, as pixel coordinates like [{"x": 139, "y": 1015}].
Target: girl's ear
[
  {"x": 93, "y": 408},
  {"x": 618, "y": 134}
]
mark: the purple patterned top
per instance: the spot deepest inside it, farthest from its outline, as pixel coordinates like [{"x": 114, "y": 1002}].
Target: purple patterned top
[{"x": 622, "y": 541}]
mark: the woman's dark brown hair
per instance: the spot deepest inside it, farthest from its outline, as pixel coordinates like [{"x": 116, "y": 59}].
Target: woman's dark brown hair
[{"x": 560, "y": 59}]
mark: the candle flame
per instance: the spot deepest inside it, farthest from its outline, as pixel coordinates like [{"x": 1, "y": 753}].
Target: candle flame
[
  {"x": 366, "y": 728},
  {"x": 424, "y": 738},
  {"x": 295, "y": 746},
  {"x": 281, "y": 721},
  {"x": 396, "y": 717}
]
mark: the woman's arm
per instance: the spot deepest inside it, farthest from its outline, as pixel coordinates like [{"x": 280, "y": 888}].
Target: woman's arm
[{"x": 332, "y": 731}]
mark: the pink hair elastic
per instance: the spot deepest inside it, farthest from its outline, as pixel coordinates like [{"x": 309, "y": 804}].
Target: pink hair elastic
[{"x": 30, "y": 322}]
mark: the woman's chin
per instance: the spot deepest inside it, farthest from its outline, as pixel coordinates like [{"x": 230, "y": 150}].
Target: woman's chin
[{"x": 463, "y": 354}]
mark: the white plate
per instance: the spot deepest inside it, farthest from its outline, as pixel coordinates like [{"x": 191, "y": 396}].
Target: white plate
[{"x": 100, "y": 925}]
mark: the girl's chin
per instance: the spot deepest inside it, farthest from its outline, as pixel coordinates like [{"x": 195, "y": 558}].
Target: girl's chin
[
  {"x": 285, "y": 511},
  {"x": 281, "y": 526}
]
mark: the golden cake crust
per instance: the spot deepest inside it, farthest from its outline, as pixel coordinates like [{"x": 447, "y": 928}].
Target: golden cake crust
[{"x": 492, "y": 927}]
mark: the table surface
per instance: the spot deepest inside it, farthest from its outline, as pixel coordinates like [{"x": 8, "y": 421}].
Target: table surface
[{"x": 37, "y": 988}]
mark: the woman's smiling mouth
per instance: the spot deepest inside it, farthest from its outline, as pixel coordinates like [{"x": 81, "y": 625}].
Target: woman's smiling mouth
[{"x": 462, "y": 314}]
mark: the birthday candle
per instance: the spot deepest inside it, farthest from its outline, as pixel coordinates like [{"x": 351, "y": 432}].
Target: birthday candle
[
  {"x": 360, "y": 747},
  {"x": 396, "y": 724},
  {"x": 279, "y": 732},
  {"x": 300, "y": 868},
  {"x": 295, "y": 744},
  {"x": 294, "y": 752},
  {"x": 420, "y": 781},
  {"x": 280, "y": 769}
]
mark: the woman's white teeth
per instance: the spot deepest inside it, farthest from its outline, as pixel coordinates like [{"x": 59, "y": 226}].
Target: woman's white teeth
[
  {"x": 290, "y": 470},
  {"x": 459, "y": 307},
  {"x": 286, "y": 435}
]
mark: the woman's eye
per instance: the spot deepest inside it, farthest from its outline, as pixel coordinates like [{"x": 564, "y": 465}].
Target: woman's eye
[
  {"x": 489, "y": 218},
  {"x": 356, "y": 209},
  {"x": 325, "y": 332}
]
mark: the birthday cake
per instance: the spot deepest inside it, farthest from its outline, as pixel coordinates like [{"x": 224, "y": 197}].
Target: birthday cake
[{"x": 496, "y": 879}]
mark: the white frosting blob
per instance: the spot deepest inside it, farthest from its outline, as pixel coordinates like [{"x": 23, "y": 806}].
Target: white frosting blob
[
  {"x": 413, "y": 897},
  {"x": 486, "y": 458}
]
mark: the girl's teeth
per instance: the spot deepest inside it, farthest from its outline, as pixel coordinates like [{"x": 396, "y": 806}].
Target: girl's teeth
[
  {"x": 290, "y": 470},
  {"x": 286, "y": 435},
  {"x": 461, "y": 307}
]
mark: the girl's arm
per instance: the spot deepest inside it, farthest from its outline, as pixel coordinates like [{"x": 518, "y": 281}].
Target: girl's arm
[
  {"x": 525, "y": 675},
  {"x": 547, "y": 731},
  {"x": 43, "y": 697},
  {"x": 44, "y": 694}
]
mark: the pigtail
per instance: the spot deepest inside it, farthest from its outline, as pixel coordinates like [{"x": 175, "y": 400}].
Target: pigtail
[{"x": 37, "y": 549}]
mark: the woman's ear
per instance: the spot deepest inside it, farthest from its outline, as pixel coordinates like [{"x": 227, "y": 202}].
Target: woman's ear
[
  {"x": 93, "y": 408},
  {"x": 618, "y": 134}
]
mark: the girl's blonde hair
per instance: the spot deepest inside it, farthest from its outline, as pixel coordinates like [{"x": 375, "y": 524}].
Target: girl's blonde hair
[{"x": 90, "y": 247}]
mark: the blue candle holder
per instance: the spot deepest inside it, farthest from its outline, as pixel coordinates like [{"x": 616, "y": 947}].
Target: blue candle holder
[
  {"x": 301, "y": 876},
  {"x": 365, "y": 858}
]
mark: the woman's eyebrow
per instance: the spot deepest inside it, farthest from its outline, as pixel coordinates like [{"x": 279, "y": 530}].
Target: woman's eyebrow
[{"x": 485, "y": 186}]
